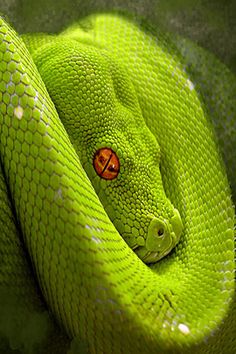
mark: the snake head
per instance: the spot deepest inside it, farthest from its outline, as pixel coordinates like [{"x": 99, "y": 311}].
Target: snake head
[
  {"x": 100, "y": 110},
  {"x": 162, "y": 237}
]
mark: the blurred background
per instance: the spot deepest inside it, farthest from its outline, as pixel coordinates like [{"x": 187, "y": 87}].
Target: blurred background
[{"x": 210, "y": 23}]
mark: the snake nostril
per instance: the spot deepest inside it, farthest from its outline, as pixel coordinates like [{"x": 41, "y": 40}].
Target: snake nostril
[{"x": 160, "y": 232}]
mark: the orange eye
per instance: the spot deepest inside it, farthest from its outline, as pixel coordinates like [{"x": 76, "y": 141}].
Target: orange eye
[{"x": 106, "y": 163}]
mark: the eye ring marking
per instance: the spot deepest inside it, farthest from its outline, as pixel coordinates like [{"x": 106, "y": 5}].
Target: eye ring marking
[{"x": 106, "y": 163}]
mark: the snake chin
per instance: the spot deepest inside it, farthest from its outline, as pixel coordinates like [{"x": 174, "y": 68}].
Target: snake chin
[{"x": 150, "y": 256}]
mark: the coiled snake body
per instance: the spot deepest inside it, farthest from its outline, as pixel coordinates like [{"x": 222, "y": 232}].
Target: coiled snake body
[{"x": 110, "y": 87}]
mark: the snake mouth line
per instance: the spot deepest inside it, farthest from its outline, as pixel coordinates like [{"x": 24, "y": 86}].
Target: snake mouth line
[{"x": 148, "y": 256}]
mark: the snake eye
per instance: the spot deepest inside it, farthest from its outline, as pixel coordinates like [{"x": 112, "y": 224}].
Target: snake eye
[{"x": 106, "y": 163}]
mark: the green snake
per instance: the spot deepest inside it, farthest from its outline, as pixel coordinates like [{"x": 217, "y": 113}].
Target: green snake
[{"x": 116, "y": 214}]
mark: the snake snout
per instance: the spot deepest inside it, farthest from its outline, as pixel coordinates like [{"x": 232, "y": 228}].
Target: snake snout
[
  {"x": 162, "y": 236},
  {"x": 158, "y": 237}
]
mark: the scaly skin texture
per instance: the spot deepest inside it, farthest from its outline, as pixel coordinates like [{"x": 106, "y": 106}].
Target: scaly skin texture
[
  {"x": 110, "y": 116},
  {"x": 111, "y": 83}
]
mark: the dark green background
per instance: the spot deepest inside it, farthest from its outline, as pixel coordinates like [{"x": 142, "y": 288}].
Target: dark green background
[{"x": 211, "y": 23}]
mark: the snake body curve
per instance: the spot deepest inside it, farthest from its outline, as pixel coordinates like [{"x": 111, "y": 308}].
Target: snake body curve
[{"x": 97, "y": 288}]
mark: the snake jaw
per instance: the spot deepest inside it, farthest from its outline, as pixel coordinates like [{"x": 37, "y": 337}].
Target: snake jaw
[{"x": 162, "y": 237}]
